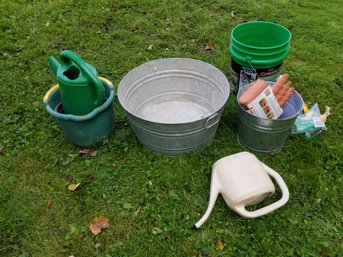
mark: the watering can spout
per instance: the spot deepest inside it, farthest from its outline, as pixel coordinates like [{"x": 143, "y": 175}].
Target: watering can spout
[
  {"x": 213, "y": 197},
  {"x": 54, "y": 64}
]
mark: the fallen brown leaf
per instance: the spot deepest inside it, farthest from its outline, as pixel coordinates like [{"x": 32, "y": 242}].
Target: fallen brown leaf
[
  {"x": 98, "y": 224},
  {"x": 208, "y": 47},
  {"x": 85, "y": 152},
  {"x": 136, "y": 213}
]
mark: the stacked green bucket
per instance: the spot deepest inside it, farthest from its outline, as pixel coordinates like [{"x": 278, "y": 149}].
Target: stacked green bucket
[{"x": 257, "y": 49}]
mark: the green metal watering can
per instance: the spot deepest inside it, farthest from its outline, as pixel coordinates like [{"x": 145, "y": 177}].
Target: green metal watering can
[{"x": 81, "y": 89}]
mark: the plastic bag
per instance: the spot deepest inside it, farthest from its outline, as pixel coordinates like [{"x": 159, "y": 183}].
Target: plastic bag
[{"x": 309, "y": 123}]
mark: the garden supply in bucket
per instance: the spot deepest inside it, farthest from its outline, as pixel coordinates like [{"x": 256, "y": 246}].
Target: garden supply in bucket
[
  {"x": 243, "y": 180},
  {"x": 174, "y": 104},
  {"x": 257, "y": 50},
  {"x": 260, "y": 101},
  {"x": 267, "y": 135},
  {"x": 264, "y": 101}
]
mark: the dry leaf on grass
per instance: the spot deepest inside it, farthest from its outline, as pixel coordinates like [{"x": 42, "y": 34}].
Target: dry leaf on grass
[
  {"x": 71, "y": 184},
  {"x": 136, "y": 213},
  {"x": 219, "y": 246},
  {"x": 73, "y": 187},
  {"x": 208, "y": 47},
  {"x": 86, "y": 153},
  {"x": 98, "y": 224},
  {"x": 150, "y": 47}
]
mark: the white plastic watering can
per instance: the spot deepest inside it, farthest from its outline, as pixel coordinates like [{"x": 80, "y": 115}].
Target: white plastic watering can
[{"x": 243, "y": 180}]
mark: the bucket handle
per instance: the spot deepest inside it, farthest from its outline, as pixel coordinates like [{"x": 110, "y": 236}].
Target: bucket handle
[
  {"x": 248, "y": 60},
  {"x": 211, "y": 121},
  {"x": 99, "y": 88},
  {"x": 269, "y": 208}
]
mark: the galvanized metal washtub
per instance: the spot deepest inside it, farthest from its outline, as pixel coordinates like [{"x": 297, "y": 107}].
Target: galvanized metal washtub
[
  {"x": 174, "y": 104},
  {"x": 264, "y": 135}
]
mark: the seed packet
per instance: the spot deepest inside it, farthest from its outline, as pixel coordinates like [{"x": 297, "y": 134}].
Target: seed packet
[{"x": 265, "y": 105}]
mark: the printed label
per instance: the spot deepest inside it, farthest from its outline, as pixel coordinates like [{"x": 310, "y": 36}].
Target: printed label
[
  {"x": 241, "y": 76},
  {"x": 246, "y": 77},
  {"x": 265, "y": 105}
]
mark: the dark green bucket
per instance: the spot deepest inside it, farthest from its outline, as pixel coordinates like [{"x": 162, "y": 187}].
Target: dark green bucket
[
  {"x": 257, "y": 49},
  {"x": 83, "y": 130}
]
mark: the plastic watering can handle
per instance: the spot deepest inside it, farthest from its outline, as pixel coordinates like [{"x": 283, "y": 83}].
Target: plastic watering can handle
[
  {"x": 269, "y": 208},
  {"x": 99, "y": 88}
]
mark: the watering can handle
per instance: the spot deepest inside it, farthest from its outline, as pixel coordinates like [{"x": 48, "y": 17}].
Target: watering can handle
[
  {"x": 99, "y": 88},
  {"x": 269, "y": 208}
]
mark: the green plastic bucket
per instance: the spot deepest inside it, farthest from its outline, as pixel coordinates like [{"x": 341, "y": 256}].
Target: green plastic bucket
[
  {"x": 257, "y": 49},
  {"x": 83, "y": 130}
]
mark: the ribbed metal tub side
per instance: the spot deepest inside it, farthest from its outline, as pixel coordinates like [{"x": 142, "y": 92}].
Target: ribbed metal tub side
[
  {"x": 174, "y": 104},
  {"x": 263, "y": 135},
  {"x": 174, "y": 139}
]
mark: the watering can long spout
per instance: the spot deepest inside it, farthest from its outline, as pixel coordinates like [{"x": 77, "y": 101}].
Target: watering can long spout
[
  {"x": 215, "y": 189},
  {"x": 54, "y": 64}
]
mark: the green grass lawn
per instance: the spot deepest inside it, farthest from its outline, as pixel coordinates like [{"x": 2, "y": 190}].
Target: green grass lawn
[{"x": 152, "y": 201}]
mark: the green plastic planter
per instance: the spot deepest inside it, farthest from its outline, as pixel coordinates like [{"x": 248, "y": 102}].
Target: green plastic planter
[{"x": 83, "y": 130}]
